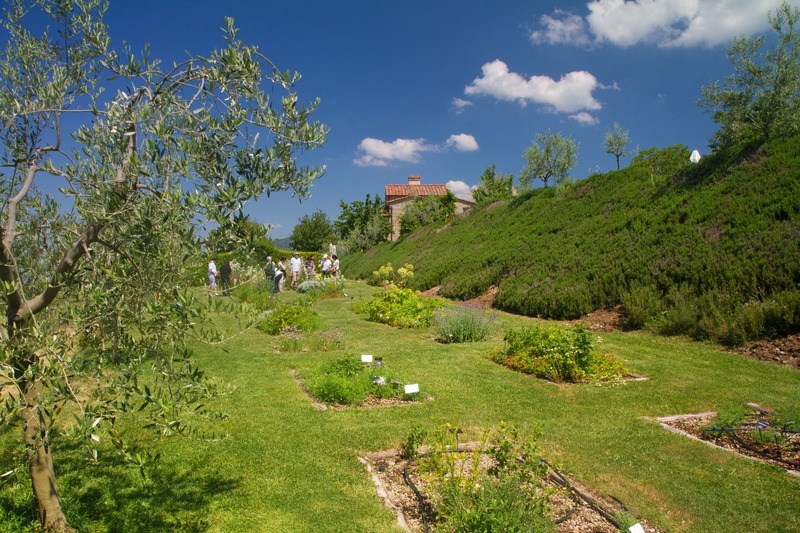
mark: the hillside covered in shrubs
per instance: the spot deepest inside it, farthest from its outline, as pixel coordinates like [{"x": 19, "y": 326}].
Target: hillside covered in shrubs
[{"x": 711, "y": 250}]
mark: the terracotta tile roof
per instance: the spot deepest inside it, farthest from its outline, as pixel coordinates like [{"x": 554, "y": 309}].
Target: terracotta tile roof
[{"x": 394, "y": 192}]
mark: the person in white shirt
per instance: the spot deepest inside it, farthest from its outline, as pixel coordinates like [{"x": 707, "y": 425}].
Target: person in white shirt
[
  {"x": 295, "y": 263},
  {"x": 325, "y": 266},
  {"x": 212, "y": 278}
]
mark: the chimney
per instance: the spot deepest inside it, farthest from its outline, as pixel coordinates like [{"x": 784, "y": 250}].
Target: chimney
[{"x": 414, "y": 180}]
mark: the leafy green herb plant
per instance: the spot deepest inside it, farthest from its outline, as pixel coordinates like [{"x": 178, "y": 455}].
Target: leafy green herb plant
[
  {"x": 287, "y": 315},
  {"x": 557, "y": 353},
  {"x": 403, "y": 308},
  {"x": 467, "y": 495},
  {"x": 348, "y": 381}
]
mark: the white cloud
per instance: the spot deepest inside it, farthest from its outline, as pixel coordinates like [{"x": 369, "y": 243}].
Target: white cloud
[
  {"x": 719, "y": 21},
  {"x": 459, "y": 105},
  {"x": 377, "y": 153},
  {"x": 679, "y": 23},
  {"x": 462, "y": 142},
  {"x": 573, "y": 92},
  {"x": 460, "y": 189},
  {"x": 584, "y": 118},
  {"x": 563, "y": 28},
  {"x": 628, "y": 23}
]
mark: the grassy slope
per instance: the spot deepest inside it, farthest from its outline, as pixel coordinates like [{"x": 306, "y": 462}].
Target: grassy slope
[{"x": 720, "y": 226}]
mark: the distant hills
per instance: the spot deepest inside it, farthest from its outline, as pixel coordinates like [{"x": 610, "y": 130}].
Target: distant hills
[{"x": 283, "y": 244}]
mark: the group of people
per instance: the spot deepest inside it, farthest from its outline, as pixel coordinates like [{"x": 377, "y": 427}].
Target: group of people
[{"x": 276, "y": 273}]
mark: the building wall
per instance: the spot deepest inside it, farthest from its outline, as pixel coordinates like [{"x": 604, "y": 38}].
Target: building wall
[{"x": 396, "y": 210}]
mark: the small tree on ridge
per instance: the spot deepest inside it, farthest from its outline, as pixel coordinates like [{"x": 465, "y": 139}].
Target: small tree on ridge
[
  {"x": 549, "y": 157},
  {"x": 616, "y": 142}
]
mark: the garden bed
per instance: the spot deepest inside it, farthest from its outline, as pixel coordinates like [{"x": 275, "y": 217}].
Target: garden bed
[
  {"x": 368, "y": 403},
  {"x": 584, "y": 511},
  {"x": 746, "y": 438}
]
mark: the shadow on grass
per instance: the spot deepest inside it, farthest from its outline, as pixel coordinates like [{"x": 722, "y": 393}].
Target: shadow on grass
[{"x": 113, "y": 496}]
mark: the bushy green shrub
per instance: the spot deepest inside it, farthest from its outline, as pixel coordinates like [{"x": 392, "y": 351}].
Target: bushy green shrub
[
  {"x": 727, "y": 321},
  {"x": 782, "y": 313},
  {"x": 386, "y": 275},
  {"x": 718, "y": 315},
  {"x": 360, "y": 307},
  {"x": 287, "y": 315},
  {"x": 256, "y": 294},
  {"x": 681, "y": 316},
  {"x": 556, "y": 353},
  {"x": 426, "y": 210},
  {"x": 403, "y": 308},
  {"x": 348, "y": 381},
  {"x": 641, "y": 305},
  {"x": 462, "y": 324}
]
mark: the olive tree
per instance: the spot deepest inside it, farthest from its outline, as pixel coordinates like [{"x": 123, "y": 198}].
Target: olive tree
[
  {"x": 761, "y": 99},
  {"x": 616, "y": 142},
  {"x": 550, "y": 156},
  {"x": 93, "y": 278}
]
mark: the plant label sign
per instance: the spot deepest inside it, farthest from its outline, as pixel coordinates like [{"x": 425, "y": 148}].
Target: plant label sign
[
  {"x": 636, "y": 528},
  {"x": 366, "y": 358},
  {"x": 412, "y": 389}
]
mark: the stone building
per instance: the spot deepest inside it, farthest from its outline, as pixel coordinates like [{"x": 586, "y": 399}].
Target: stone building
[{"x": 400, "y": 197}]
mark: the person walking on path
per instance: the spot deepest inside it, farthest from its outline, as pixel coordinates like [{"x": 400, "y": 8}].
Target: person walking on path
[
  {"x": 225, "y": 278},
  {"x": 295, "y": 263},
  {"x": 335, "y": 266},
  {"x": 280, "y": 276},
  {"x": 212, "y": 277}
]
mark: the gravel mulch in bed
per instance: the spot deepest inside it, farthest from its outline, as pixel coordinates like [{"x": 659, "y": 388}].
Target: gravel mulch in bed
[
  {"x": 784, "y": 453},
  {"x": 387, "y": 467}
]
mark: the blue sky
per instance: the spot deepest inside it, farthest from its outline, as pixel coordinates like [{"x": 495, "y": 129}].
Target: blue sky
[{"x": 443, "y": 89}]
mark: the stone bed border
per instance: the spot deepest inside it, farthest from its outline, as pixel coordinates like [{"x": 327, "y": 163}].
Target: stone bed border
[{"x": 627, "y": 378}]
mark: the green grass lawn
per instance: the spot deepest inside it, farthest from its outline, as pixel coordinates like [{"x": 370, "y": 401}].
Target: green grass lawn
[{"x": 287, "y": 466}]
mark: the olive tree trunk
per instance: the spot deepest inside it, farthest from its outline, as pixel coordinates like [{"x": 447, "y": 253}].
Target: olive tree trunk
[{"x": 40, "y": 463}]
